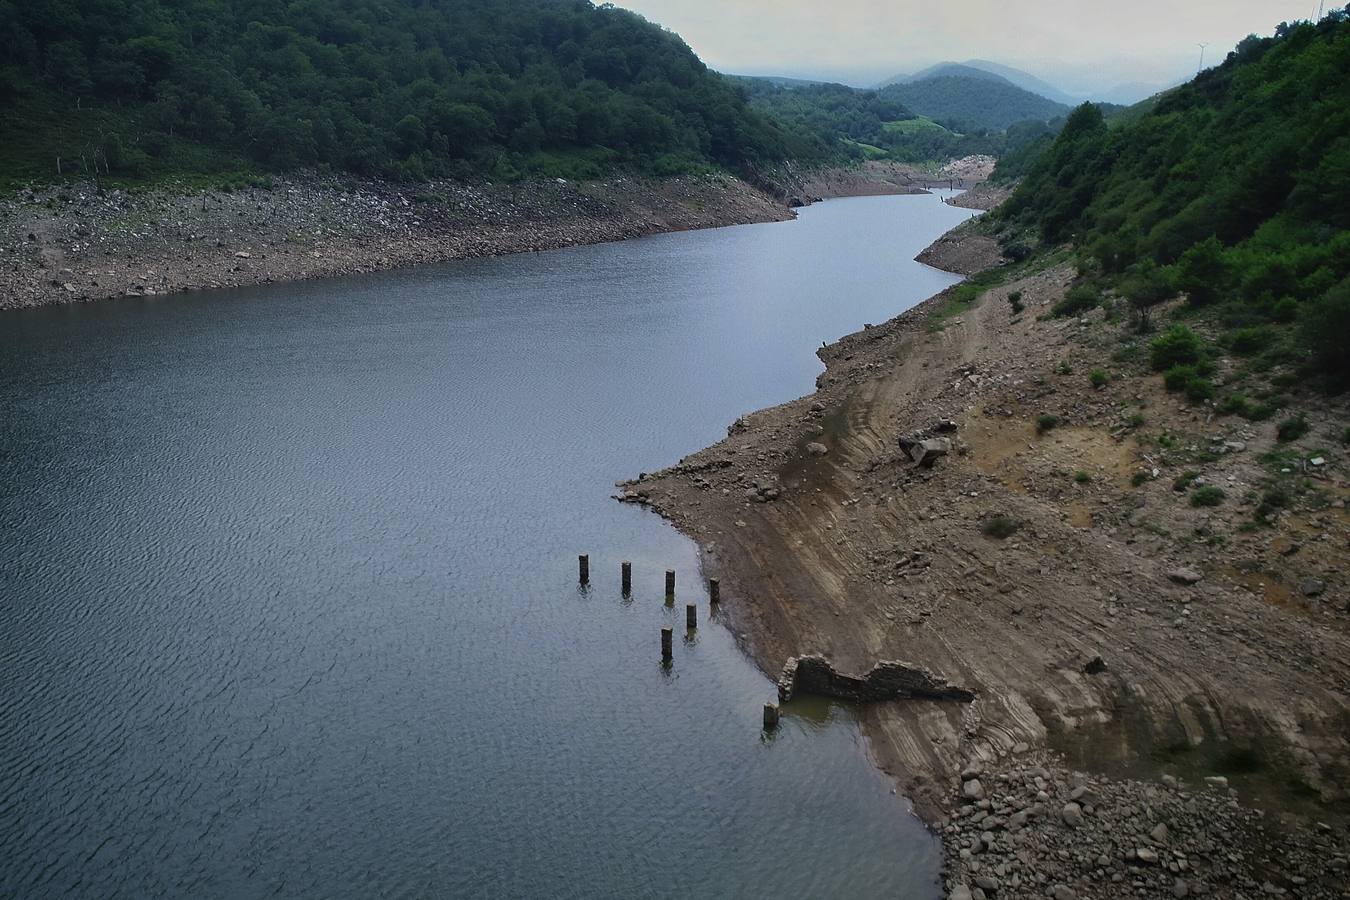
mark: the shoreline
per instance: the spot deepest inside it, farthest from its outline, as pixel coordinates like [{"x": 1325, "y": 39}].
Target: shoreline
[
  {"x": 1088, "y": 647},
  {"x": 72, "y": 244}
]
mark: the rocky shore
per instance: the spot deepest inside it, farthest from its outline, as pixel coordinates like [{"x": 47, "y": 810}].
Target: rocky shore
[
  {"x": 76, "y": 243},
  {"x": 70, "y": 244},
  {"x": 1005, "y": 501}
]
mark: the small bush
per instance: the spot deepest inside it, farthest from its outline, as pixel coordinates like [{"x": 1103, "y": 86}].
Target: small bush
[
  {"x": 1064, "y": 368},
  {"x": 1082, "y": 477},
  {"x": 1188, "y": 379},
  {"x": 1015, "y": 300},
  {"x": 1236, "y": 405},
  {"x": 1137, "y": 420},
  {"x": 1178, "y": 346},
  {"x": 1078, "y": 300},
  {"x": 1207, "y": 496},
  {"x": 1251, "y": 340},
  {"x": 1272, "y": 501},
  {"x": 1099, "y": 378},
  {"x": 1046, "y": 422},
  {"x": 1324, "y": 324},
  {"x": 1199, "y": 389},
  {"x": 1292, "y": 429},
  {"x": 1183, "y": 481},
  {"x": 1345, "y": 435},
  {"x": 1000, "y": 526},
  {"x": 1138, "y": 478}
]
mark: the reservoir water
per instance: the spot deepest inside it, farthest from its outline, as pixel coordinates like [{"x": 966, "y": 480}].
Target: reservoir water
[{"x": 288, "y": 600}]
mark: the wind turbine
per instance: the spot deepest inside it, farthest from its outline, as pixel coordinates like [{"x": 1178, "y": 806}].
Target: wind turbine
[{"x": 1202, "y": 58}]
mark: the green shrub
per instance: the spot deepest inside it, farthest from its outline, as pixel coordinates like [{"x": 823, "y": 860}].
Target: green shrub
[
  {"x": 1236, "y": 405},
  {"x": 1178, "y": 346},
  {"x": 1000, "y": 526},
  {"x": 1251, "y": 340},
  {"x": 1099, "y": 378},
  {"x": 1199, "y": 389},
  {"x": 1345, "y": 435},
  {"x": 1138, "y": 478},
  {"x": 1272, "y": 501},
  {"x": 1189, "y": 379},
  {"x": 1082, "y": 477},
  {"x": 1183, "y": 481},
  {"x": 1324, "y": 327},
  {"x": 1292, "y": 429},
  {"x": 1078, "y": 300},
  {"x": 1207, "y": 496},
  {"x": 1137, "y": 420},
  {"x": 1015, "y": 300},
  {"x": 1046, "y": 422}
]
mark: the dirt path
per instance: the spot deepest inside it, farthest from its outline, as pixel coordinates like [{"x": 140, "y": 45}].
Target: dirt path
[{"x": 1079, "y": 631}]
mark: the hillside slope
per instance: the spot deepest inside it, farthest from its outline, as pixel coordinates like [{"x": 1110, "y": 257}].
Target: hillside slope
[
  {"x": 390, "y": 87},
  {"x": 1233, "y": 189},
  {"x": 964, "y": 102}
]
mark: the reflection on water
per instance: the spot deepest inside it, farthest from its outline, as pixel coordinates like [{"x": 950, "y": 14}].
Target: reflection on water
[{"x": 289, "y": 585}]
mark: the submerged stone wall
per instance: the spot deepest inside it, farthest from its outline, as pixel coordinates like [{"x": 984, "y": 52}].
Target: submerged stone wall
[{"x": 886, "y": 681}]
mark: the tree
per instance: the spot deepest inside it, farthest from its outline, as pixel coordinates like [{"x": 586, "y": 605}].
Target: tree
[{"x": 1201, "y": 273}]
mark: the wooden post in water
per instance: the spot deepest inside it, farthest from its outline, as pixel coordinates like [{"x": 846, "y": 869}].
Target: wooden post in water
[
  {"x": 667, "y": 643},
  {"x": 770, "y": 715},
  {"x": 670, "y": 584},
  {"x": 627, "y": 569},
  {"x": 691, "y": 617},
  {"x": 714, "y": 591},
  {"x": 584, "y": 568}
]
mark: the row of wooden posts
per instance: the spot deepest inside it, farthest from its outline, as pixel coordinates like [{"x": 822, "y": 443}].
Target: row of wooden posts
[{"x": 690, "y": 614}]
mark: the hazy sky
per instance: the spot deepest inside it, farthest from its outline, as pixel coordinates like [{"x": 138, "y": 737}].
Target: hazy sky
[{"x": 1078, "y": 45}]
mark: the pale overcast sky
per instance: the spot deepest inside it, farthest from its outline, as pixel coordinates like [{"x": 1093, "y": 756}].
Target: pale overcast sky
[{"x": 1078, "y": 45}]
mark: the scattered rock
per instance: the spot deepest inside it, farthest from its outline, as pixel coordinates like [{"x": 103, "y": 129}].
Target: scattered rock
[
  {"x": 1185, "y": 576},
  {"x": 816, "y": 449},
  {"x": 1312, "y": 587},
  {"x": 926, "y": 452}
]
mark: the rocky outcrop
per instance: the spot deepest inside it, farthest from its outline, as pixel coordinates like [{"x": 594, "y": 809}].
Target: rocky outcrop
[{"x": 886, "y": 681}]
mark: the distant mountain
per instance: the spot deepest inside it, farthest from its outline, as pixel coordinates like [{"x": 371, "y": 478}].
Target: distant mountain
[
  {"x": 780, "y": 80},
  {"x": 1134, "y": 92},
  {"x": 964, "y": 102},
  {"x": 954, "y": 69},
  {"x": 984, "y": 69},
  {"x": 1122, "y": 94},
  {"x": 1027, "y": 82}
]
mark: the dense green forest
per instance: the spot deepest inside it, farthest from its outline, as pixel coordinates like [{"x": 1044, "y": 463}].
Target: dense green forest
[
  {"x": 1233, "y": 190},
  {"x": 964, "y": 104},
  {"x": 875, "y": 123},
  {"x": 409, "y": 88}
]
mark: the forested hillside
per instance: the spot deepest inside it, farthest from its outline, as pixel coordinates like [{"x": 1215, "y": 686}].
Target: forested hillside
[
  {"x": 875, "y": 123},
  {"x": 389, "y": 87},
  {"x": 966, "y": 103},
  {"x": 1233, "y": 189}
]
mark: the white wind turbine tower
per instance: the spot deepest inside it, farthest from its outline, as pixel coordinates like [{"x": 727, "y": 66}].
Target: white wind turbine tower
[{"x": 1201, "y": 67}]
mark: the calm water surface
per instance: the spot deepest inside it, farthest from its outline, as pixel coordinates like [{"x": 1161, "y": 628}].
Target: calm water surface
[{"x": 288, "y": 600}]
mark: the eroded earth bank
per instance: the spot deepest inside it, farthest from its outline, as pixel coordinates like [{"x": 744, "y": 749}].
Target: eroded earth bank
[
  {"x": 1161, "y": 689},
  {"x": 82, "y": 242}
]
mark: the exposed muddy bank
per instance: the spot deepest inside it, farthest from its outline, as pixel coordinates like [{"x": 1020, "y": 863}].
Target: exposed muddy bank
[
  {"x": 75, "y": 243},
  {"x": 1068, "y": 618}
]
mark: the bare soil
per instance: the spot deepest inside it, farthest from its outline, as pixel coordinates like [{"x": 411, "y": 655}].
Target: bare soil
[
  {"x": 1109, "y": 626},
  {"x": 77, "y": 243}
]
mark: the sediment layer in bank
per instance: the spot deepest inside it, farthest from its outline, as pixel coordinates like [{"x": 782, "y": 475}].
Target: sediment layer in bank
[
  {"x": 1039, "y": 554},
  {"x": 79, "y": 243}
]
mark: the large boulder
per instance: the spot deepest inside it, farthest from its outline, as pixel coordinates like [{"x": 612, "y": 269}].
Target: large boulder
[{"x": 926, "y": 452}]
